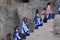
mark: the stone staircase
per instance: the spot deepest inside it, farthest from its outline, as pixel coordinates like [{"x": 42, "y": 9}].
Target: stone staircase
[{"x": 44, "y": 32}]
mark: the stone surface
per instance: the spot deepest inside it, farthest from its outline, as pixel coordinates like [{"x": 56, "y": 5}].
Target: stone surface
[
  {"x": 31, "y": 25},
  {"x": 8, "y": 20},
  {"x": 44, "y": 32},
  {"x": 57, "y": 24}
]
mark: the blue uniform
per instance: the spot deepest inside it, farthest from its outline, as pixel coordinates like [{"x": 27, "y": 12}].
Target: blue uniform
[
  {"x": 50, "y": 15},
  {"x": 16, "y": 34},
  {"x": 37, "y": 20},
  {"x": 25, "y": 29},
  {"x": 53, "y": 15},
  {"x": 58, "y": 7}
]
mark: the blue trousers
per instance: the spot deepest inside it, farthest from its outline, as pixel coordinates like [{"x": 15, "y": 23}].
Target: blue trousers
[
  {"x": 53, "y": 15},
  {"x": 50, "y": 15},
  {"x": 38, "y": 25},
  {"x": 58, "y": 12}
]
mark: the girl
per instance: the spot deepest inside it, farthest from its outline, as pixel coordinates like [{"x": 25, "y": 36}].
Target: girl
[
  {"x": 25, "y": 29},
  {"x": 43, "y": 15},
  {"x": 49, "y": 12},
  {"x": 37, "y": 20},
  {"x": 16, "y": 33}
]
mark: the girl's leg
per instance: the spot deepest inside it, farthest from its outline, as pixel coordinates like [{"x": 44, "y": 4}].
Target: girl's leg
[
  {"x": 47, "y": 15},
  {"x": 40, "y": 23},
  {"x": 53, "y": 15},
  {"x": 15, "y": 39},
  {"x": 45, "y": 19},
  {"x": 58, "y": 12},
  {"x": 36, "y": 27}
]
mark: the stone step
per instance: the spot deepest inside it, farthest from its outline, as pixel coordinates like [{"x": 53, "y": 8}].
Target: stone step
[
  {"x": 43, "y": 33},
  {"x": 57, "y": 24}
]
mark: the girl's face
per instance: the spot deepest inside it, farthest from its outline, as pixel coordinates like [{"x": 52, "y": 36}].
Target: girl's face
[
  {"x": 24, "y": 19},
  {"x": 17, "y": 26}
]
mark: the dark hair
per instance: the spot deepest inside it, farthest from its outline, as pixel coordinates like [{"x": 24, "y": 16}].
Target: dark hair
[
  {"x": 44, "y": 8},
  {"x": 37, "y": 10},
  {"x": 48, "y": 3},
  {"x": 17, "y": 26}
]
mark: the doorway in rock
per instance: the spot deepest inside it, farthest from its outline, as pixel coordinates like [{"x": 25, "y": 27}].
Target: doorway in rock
[
  {"x": 25, "y": 1},
  {"x": 13, "y": 1}
]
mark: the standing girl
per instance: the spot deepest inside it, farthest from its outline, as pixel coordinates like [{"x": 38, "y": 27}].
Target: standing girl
[{"x": 16, "y": 33}]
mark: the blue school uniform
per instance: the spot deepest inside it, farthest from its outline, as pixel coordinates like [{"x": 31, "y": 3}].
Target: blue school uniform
[
  {"x": 16, "y": 34},
  {"x": 37, "y": 20},
  {"x": 58, "y": 7},
  {"x": 50, "y": 15},
  {"x": 25, "y": 29}
]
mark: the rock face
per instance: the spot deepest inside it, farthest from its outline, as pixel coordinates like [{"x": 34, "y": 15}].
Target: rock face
[
  {"x": 8, "y": 20},
  {"x": 3, "y": 16},
  {"x": 57, "y": 24}
]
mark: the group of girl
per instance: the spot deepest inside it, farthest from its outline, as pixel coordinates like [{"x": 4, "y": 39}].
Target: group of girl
[
  {"x": 42, "y": 17},
  {"x": 39, "y": 19},
  {"x": 21, "y": 35}
]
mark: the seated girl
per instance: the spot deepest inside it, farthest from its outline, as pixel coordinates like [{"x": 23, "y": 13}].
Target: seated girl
[{"x": 37, "y": 20}]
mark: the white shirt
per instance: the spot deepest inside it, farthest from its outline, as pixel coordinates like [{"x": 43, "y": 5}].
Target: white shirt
[
  {"x": 59, "y": 8},
  {"x": 24, "y": 27}
]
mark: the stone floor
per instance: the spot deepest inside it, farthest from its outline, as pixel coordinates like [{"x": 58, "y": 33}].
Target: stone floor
[{"x": 45, "y": 32}]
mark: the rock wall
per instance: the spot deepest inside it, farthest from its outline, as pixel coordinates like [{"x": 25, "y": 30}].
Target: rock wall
[
  {"x": 3, "y": 16},
  {"x": 8, "y": 20},
  {"x": 57, "y": 24}
]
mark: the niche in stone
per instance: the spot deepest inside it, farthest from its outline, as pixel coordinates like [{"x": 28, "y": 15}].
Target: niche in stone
[{"x": 25, "y": 1}]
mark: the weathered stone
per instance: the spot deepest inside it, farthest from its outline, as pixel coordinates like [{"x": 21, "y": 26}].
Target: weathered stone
[
  {"x": 31, "y": 25},
  {"x": 8, "y": 20},
  {"x": 57, "y": 24}
]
